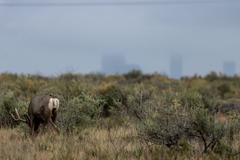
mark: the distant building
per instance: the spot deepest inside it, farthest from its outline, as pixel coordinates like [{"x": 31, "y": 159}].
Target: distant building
[
  {"x": 229, "y": 68},
  {"x": 112, "y": 64},
  {"x": 130, "y": 67},
  {"x": 176, "y": 66}
]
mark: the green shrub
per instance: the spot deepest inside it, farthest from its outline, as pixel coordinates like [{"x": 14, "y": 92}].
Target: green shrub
[
  {"x": 205, "y": 129},
  {"x": 163, "y": 123},
  {"x": 113, "y": 99},
  {"x": 79, "y": 112},
  {"x": 167, "y": 128},
  {"x": 7, "y": 104},
  {"x": 224, "y": 89},
  {"x": 184, "y": 117},
  {"x": 134, "y": 74}
]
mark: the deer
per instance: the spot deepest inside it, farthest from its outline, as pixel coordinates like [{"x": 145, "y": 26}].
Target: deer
[{"x": 42, "y": 109}]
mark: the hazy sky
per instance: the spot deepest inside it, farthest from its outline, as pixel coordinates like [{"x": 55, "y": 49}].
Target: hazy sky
[{"x": 53, "y": 40}]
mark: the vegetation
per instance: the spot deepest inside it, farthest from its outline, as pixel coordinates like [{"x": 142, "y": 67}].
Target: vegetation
[{"x": 130, "y": 116}]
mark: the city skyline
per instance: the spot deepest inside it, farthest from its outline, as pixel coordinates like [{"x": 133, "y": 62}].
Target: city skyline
[
  {"x": 119, "y": 64},
  {"x": 116, "y": 64},
  {"x": 54, "y": 40},
  {"x": 176, "y": 66},
  {"x": 229, "y": 68}
]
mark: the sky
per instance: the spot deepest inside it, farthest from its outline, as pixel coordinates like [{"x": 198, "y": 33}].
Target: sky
[{"x": 54, "y": 40}]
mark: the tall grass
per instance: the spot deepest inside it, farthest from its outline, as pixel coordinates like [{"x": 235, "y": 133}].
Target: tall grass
[{"x": 92, "y": 143}]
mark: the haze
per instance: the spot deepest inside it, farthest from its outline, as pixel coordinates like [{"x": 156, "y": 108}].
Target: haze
[{"x": 54, "y": 40}]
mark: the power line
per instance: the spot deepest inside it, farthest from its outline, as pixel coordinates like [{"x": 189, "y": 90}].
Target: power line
[{"x": 133, "y": 3}]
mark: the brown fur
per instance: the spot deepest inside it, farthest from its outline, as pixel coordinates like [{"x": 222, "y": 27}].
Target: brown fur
[{"x": 39, "y": 112}]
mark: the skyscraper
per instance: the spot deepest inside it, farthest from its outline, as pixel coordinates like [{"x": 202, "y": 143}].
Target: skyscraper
[
  {"x": 112, "y": 64},
  {"x": 176, "y": 66},
  {"x": 229, "y": 68}
]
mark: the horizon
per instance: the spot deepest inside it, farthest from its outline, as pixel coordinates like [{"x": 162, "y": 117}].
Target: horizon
[{"x": 54, "y": 40}]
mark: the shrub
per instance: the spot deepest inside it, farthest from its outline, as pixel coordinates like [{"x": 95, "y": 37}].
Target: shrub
[
  {"x": 79, "y": 112},
  {"x": 113, "y": 99},
  {"x": 224, "y": 89},
  {"x": 134, "y": 74},
  {"x": 205, "y": 129},
  {"x": 184, "y": 117},
  {"x": 163, "y": 123},
  {"x": 167, "y": 128},
  {"x": 7, "y": 104}
]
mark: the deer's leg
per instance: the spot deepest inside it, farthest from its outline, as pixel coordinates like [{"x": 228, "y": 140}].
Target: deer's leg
[
  {"x": 32, "y": 130},
  {"x": 54, "y": 126},
  {"x": 31, "y": 125},
  {"x": 36, "y": 126},
  {"x": 54, "y": 115}
]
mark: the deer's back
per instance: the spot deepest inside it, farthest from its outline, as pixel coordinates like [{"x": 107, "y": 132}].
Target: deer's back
[{"x": 38, "y": 105}]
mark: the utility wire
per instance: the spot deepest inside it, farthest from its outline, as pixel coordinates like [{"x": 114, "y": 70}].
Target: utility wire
[{"x": 130, "y": 3}]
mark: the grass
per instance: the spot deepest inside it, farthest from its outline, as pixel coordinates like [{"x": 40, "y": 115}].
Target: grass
[{"x": 92, "y": 143}]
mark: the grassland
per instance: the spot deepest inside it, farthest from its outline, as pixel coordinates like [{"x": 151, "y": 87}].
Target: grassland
[
  {"x": 94, "y": 144},
  {"x": 131, "y": 116}
]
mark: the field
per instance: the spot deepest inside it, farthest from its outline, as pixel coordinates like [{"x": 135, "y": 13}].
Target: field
[
  {"x": 121, "y": 143},
  {"x": 130, "y": 116}
]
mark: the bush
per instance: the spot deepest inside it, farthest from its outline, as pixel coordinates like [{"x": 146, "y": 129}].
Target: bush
[
  {"x": 113, "y": 99},
  {"x": 224, "y": 89},
  {"x": 79, "y": 112},
  {"x": 163, "y": 123},
  {"x": 134, "y": 74},
  {"x": 7, "y": 104},
  {"x": 184, "y": 117},
  {"x": 205, "y": 129},
  {"x": 167, "y": 128}
]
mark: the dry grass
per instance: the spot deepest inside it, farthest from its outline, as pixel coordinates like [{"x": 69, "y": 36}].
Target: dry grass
[
  {"x": 106, "y": 144},
  {"x": 93, "y": 143}
]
